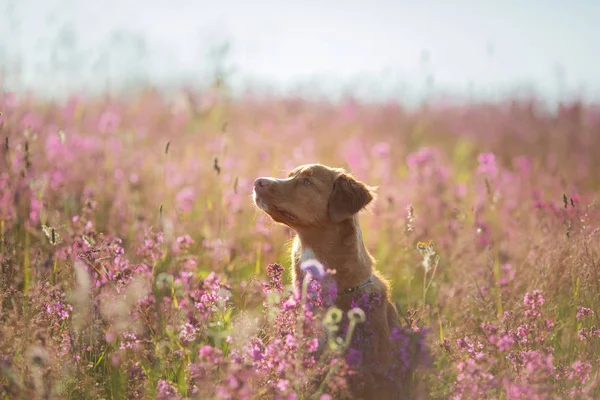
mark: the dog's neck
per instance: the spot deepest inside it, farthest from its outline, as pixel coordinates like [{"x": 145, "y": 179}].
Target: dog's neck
[{"x": 339, "y": 247}]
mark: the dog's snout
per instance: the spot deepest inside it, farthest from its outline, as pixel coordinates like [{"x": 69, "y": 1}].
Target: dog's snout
[{"x": 262, "y": 183}]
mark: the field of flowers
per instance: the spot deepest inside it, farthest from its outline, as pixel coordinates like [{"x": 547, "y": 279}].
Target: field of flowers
[{"x": 134, "y": 264}]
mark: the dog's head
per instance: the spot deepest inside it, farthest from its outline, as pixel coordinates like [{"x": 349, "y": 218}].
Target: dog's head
[{"x": 312, "y": 196}]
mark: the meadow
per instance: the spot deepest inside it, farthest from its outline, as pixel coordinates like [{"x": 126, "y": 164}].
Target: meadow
[{"x": 134, "y": 264}]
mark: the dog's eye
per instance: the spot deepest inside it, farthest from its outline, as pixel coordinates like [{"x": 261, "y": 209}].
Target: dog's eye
[{"x": 307, "y": 181}]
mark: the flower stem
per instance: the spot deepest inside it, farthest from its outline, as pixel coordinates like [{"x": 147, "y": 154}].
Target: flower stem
[{"x": 26, "y": 264}]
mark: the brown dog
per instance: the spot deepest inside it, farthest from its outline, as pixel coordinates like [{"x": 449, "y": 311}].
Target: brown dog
[{"x": 321, "y": 204}]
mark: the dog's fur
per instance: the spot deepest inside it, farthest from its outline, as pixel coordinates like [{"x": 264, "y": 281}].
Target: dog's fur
[{"x": 321, "y": 204}]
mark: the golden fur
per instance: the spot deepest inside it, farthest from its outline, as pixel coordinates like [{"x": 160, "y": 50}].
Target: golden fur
[{"x": 321, "y": 204}]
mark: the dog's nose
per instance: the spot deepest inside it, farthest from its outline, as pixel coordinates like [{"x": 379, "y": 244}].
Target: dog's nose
[{"x": 261, "y": 183}]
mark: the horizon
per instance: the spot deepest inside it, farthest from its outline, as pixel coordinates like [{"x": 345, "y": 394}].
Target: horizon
[{"x": 63, "y": 46}]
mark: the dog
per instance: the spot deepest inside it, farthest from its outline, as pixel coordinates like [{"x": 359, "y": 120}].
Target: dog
[{"x": 321, "y": 204}]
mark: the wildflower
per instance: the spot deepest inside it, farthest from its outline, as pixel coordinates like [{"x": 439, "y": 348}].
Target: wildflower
[
  {"x": 509, "y": 272},
  {"x": 255, "y": 351},
  {"x": 185, "y": 198},
  {"x": 522, "y": 333},
  {"x": 410, "y": 218},
  {"x": 583, "y": 334},
  {"x": 188, "y": 333},
  {"x": 313, "y": 345},
  {"x": 381, "y": 149},
  {"x": 430, "y": 256},
  {"x": 183, "y": 243},
  {"x": 357, "y": 315},
  {"x": 283, "y": 385},
  {"x": 487, "y": 164},
  {"x": 505, "y": 343},
  {"x": 274, "y": 272},
  {"x": 59, "y": 309},
  {"x": 130, "y": 341},
  {"x": 205, "y": 351},
  {"x": 315, "y": 268},
  {"x": 290, "y": 303},
  {"x": 421, "y": 157},
  {"x": 165, "y": 390},
  {"x": 583, "y": 312},
  {"x": 110, "y": 337},
  {"x": 533, "y": 301},
  {"x": 580, "y": 371}
]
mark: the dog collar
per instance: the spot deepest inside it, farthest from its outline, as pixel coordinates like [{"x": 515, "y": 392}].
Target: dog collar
[{"x": 357, "y": 288}]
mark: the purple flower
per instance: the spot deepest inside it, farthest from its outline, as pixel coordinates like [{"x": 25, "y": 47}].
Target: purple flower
[
  {"x": 255, "y": 352},
  {"x": 274, "y": 272},
  {"x": 354, "y": 357},
  {"x": 315, "y": 268},
  {"x": 166, "y": 391},
  {"x": 290, "y": 303}
]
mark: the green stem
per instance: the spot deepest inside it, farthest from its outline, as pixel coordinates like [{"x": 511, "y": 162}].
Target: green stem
[
  {"x": 54, "y": 269},
  {"x": 432, "y": 275},
  {"x": 334, "y": 369},
  {"x": 26, "y": 264}
]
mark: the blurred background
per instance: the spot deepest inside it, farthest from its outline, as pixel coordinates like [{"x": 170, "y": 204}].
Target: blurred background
[{"x": 401, "y": 49}]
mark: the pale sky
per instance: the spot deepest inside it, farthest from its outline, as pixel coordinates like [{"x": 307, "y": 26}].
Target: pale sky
[{"x": 382, "y": 48}]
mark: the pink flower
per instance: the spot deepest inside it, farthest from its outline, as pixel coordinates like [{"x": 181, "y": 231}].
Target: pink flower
[
  {"x": 509, "y": 275},
  {"x": 487, "y": 165},
  {"x": 283, "y": 385},
  {"x": 185, "y": 198},
  {"x": 583, "y": 312},
  {"x": 381, "y": 149},
  {"x": 313, "y": 345},
  {"x": 505, "y": 343},
  {"x": 580, "y": 371},
  {"x": 533, "y": 301},
  {"x": 110, "y": 337},
  {"x": 108, "y": 122},
  {"x": 205, "y": 351}
]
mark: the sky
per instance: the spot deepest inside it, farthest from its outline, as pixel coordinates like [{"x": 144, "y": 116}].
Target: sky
[{"x": 374, "y": 49}]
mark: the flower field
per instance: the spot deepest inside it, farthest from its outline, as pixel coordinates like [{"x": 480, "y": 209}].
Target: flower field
[{"x": 135, "y": 265}]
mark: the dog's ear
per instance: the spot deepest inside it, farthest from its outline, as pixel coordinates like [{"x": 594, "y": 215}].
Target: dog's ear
[{"x": 349, "y": 196}]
